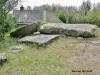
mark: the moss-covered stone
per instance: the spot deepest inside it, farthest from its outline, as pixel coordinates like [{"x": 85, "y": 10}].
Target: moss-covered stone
[{"x": 26, "y": 30}]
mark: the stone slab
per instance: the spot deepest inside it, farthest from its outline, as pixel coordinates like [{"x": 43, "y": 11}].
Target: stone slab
[
  {"x": 25, "y": 30},
  {"x": 77, "y": 30},
  {"x": 38, "y": 39},
  {"x": 3, "y": 58},
  {"x": 16, "y": 49},
  {"x": 2, "y": 55}
]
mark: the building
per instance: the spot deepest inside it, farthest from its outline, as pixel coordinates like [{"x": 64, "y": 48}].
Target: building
[{"x": 30, "y": 16}]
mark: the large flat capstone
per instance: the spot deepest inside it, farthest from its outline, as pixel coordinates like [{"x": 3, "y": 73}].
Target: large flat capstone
[
  {"x": 77, "y": 30},
  {"x": 38, "y": 39}
]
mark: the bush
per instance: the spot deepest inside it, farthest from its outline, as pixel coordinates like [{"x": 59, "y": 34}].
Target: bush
[
  {"x": 6, "y": 24},
  {"x": 94, "y": 17},
  {"x": 71, "y": 19},
  {"x": 10, "y": 22},
  {"x": 62, "y": 17},
  {"x": 2, "y": 22}
]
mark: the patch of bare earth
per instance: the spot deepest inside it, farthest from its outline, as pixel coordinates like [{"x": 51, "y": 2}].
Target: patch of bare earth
[
  {"x": 17, "y": 72},
  {"x": 90, "y": 56}
]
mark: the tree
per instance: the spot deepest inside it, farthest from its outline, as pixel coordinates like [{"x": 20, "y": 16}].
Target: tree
[
  {"x": 2, "y": 17},
  {"x": 5, "y": 7},
  {"x": 86, "y": 6},
  {"x": 10, "y": 4}
]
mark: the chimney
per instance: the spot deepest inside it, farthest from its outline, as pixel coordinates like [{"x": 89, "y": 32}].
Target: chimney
[{"x": 21, "y": 16}]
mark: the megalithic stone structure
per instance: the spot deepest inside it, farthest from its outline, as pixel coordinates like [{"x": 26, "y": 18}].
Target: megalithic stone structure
[{"x": 21, "y": 16}]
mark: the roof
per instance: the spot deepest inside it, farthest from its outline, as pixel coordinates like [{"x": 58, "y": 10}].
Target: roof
[{"x": 30, "y": 16}]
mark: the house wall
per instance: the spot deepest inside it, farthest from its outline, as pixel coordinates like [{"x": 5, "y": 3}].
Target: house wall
[{"x": 31, "y": 16}]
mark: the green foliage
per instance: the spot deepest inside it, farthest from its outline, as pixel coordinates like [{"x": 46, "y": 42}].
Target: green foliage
[
  {"x": 6, "y": 24},
  {"x": 62, "y": 17},
  {"x": 7, "y": 21},
  {"x": 2, "y": 19},
  {"x": 11, "y": 22},
  {"x": 71, "y": 19},
  {"x": 92, "y": 17}
]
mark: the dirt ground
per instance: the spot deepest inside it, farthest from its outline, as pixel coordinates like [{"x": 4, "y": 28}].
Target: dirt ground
[{"x": 90, "y": 56}]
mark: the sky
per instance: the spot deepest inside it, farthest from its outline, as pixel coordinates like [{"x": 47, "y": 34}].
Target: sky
[{"x": 33, "y": 3}]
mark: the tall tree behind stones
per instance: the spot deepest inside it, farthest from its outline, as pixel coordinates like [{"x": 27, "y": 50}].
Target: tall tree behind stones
[{"x": 86, "y": 6}]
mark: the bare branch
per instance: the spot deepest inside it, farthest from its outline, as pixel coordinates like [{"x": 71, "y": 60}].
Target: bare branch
[{"x": 10, "y": 4}]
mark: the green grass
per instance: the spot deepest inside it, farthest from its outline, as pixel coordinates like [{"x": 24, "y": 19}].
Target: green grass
[
  {"x": 9, "y": 41},
  {"x": 52, "y": 60}
]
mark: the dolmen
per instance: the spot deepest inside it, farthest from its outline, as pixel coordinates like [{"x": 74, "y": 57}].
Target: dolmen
[
  {"x": 75, "y": 30},
  {"x": 51, "y": 31}
]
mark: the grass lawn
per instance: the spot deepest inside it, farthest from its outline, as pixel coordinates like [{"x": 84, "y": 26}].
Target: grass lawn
[{"x": 52, "y": 60}]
